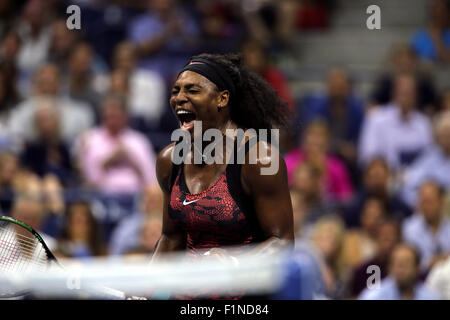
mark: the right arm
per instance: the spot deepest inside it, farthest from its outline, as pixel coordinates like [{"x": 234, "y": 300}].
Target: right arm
[{"x": 172, "y": 238}]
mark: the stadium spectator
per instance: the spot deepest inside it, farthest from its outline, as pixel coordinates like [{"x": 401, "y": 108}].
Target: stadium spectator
[
  {"x": 113, "y": 158},
  {"x": 431, "y": 224},
  {"x": 434, "y": 164},
  {"x": 388, "y": 236},
  {"x": 8, "y": 170},
  {"x": 47, "y": 153},
  {"x": 328, "y": 236},
  {"x": 62, "y": 43},
  {"x": 9, "y": 97},
  {"x": 438, "y": 279},
  {"x": 343, "y": 111},
  {"x": 35, "y": 33},
  {"x": 145, "y": 90},
  {"x": 445, "y": 100},
  {"x": 403, "y": 59},
  {"x": 28, "y": 209},
  {"x": 398, "y": 132},
  {"x": 433, "y": 43},
  {"x": 165, "y": 37},
  {"x": 81, "y": 234},
  {"x": 220, "y": 26},
  {"x": 256, "y": 58},
  {"x": 337, "y": 186},
  {"x": 309, "y": 200},
  {"x": 125, "y": 237},
  {"x": 74, "y": 117},
  {"x": 360, "y": 243},
  {"x": 82, "y": 83},
  {"x": 403, "y": 282},
  {"x": 149, "y": 234},
  {"x": 377, "y": 183}
]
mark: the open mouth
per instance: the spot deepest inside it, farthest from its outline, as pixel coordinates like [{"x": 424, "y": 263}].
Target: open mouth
[{"x": 186, "y": 118}]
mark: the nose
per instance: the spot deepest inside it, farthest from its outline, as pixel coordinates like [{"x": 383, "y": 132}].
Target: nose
[{"x": 179, "y": 99}]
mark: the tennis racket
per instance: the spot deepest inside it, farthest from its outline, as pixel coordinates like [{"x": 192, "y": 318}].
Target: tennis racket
[{"x": 22, "y": 251}]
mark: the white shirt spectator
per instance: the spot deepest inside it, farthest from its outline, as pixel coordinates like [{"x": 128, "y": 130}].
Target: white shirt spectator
[
  {"x": 147, "y": 95},
  {"x": 417, "y": 233},
  {"x": 438, "y": 279},
  {"x": 75, "y": 117},
  {"x": 385, "y": 133}
]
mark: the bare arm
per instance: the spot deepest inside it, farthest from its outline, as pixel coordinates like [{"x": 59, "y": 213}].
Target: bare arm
[
  {"x": 271, "y": 200},
  {"x": 172, "y": 238}
]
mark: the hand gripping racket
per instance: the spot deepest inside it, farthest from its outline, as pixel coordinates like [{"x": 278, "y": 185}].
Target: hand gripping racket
[{"x": 22, "y": 251}]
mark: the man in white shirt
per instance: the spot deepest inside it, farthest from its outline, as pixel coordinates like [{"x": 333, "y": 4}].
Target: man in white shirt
[
  {"x": 396, "y": 132},
  {"x": 429, "y": 229}
]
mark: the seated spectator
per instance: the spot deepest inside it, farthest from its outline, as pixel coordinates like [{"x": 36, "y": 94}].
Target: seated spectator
[
  {"x": 62, "y": 42},
  {"x": 113, "y": 158},
  {"x": 337, "y": 186},
  {"x": 145, "y": 90},
  {"x": 256, "y": 58},
  {"x": 28, "y": 209},
  {"x": 403, "y": 281},
  {"x": 9, "y": 98},
  {"x": 220, "y": 26},
  {"x": 8, "y": 170},
  {"x": 309, "y": 200},
  {"x": 342, "y": 110},
  {"x": 403, "y": 59},
  {"x": 438, "y": 279},
  {"x": 434, "y": 164},
  {"x": 81, "y": 235},
  {"x": 82, "y": 78},
  {"x": 328, "y": 236},
  {"x": 149, "y": 234},
  {"x": 387, "y": 237},
  {"x": 445, "y": 100},
  {"x": 73, "y": 116},
  {"x": 433, "y": 43},
  {"x": 48, "y": 153},
  {"x": 398, "y": 132},
  {"x": 35, "y": 34},
  {"x": 125, "y": 236},
  {"x": 360, "y": 243},
  {"x": 428, "y": 229},
  {"x": 376, "y": 183},
  {"x": 165, "y": 37}
]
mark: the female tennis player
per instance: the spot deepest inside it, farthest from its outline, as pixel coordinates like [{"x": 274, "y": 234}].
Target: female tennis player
[{"x": 214, "y": 206}]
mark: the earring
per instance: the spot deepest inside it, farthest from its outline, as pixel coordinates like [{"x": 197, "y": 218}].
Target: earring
[{"x": 219, "y": 107}]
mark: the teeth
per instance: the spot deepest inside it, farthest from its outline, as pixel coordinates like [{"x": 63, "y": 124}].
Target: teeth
[{"x": 183, "y": 112}]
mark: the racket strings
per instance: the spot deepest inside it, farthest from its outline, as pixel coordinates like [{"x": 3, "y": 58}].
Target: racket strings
[{"x": 19, "y": 253}]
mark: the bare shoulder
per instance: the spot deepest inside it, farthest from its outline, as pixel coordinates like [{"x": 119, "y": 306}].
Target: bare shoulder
[
  {"x": 164, "y": 166},
  {"x": 264, "y": 165}
]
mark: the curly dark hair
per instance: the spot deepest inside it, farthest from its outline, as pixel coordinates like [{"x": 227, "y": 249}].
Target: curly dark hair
[{"x": 256, "y": 104}]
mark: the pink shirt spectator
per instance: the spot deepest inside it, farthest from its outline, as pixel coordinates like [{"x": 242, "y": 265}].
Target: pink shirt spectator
[
  {"x": 337, "y": 181},
  {"x": 97, "y": 145}
]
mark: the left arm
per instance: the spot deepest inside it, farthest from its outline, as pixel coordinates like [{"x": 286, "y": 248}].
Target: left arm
[{"x": 271, "y": 198}]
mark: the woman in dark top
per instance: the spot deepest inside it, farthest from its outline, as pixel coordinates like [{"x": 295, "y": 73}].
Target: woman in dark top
[{"x": 214, "y": 206}]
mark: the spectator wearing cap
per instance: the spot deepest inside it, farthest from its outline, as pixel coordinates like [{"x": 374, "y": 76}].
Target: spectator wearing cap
[
  {"x": 403, "y": 282},
  {"x": 429, "y": 229}
]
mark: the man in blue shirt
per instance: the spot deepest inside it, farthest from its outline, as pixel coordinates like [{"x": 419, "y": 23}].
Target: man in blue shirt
[{"x": 403, "y": 281}]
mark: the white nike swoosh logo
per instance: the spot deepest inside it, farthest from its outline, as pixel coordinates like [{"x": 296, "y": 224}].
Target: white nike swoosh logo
[{"x": 188, "y": 202}]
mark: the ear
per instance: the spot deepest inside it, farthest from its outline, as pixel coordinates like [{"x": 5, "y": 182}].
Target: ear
[{"x": 223, "y": 98}]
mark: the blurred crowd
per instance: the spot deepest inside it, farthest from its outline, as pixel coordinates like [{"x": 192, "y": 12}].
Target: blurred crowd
[{"x": 83, "y": 114}]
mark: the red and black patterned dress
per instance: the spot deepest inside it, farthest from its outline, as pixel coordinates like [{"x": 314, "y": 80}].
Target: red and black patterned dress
[{"x": 221, "y": 216}]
